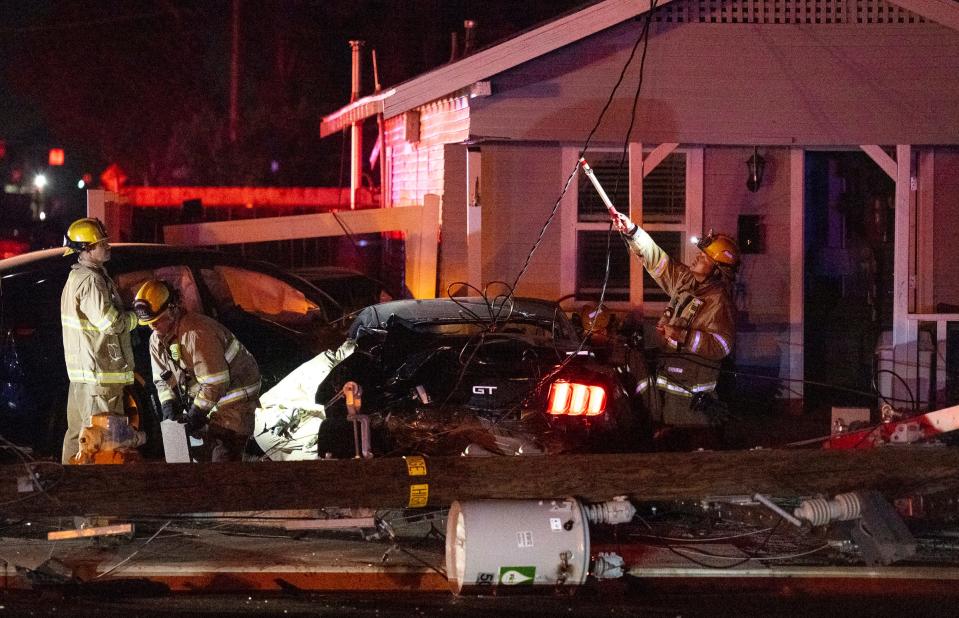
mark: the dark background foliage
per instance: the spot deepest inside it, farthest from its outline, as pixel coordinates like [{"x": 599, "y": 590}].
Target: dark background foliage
[{"x": 145, "y": 83}]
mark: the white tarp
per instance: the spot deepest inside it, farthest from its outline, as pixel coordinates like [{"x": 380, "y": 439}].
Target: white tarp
[{"x": 290, "y": 408}]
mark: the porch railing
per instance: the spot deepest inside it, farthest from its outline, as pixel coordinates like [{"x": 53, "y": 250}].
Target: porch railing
[{"x": 926, "y": 369}]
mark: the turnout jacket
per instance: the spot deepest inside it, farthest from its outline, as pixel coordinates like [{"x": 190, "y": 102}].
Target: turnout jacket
[
  {"x": 96, "y": 329},
  {"x": 703, "y": 312},
  {"x": 212, "y": 367}
]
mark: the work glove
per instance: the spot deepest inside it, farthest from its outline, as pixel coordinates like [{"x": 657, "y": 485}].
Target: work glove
[
  {"x": 167, "y": 410},
  {"x": 624, "y": 224},
  {"x": 196, "y": 419}
]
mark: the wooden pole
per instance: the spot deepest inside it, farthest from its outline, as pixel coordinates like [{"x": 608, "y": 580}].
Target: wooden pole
[
  {"x": 153, "y": 489},
  {"x": 234, "y": 71}
]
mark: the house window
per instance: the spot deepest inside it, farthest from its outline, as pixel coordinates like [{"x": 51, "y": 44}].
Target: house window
[
  {"x": 664, "y": 192},
  {"x": 591, "y": 266},
  {"x": 592, "y": 231},
  {"x": 672, "y": 244},
  {"x": 615, "y": 180},
  {"x": 259, "y": 294},
  {"x": 664, "y": 210},
  {"x": 664, "y": 217}
]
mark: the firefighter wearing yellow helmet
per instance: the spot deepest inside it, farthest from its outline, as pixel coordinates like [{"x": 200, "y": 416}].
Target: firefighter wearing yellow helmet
[
  {"x": 83, "y": 233},
  {"x": 696, "y": 332},
  {"x": 202, "y": 366},
  {"x": 96, "y": 333}
]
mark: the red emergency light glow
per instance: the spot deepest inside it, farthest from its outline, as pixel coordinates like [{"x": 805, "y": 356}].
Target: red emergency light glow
[
  {"x": 574, "y": 399},
  {"x": 10, "y": 248},
  {"x": 56, "y": 156}
]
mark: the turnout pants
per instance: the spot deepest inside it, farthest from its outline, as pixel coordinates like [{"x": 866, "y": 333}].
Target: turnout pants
[{"x": 676, "y": 424}]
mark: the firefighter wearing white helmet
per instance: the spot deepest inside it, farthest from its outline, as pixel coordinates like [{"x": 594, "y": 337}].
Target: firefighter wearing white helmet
[
  {"x": 199, "y": 362},
  {"x": 697, "y": 331},
  {"x": 96, "y": 333}
]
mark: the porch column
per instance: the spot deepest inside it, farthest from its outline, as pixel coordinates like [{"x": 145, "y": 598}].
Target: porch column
[
  {"x": 118, "y": 219},
  {"x": 474, "y": 219},
  {"x": 797, "y": 259},
  {"x": 905, "y": 353}
]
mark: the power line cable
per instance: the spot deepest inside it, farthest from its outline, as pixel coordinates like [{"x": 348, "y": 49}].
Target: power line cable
[{"x": 642, "y": 36}]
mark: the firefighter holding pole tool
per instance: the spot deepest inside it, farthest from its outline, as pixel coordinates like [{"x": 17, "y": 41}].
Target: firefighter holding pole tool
[{"x": 696, "y": 332}]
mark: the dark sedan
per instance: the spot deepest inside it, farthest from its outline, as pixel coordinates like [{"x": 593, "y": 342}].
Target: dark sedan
[
  {"x": 447, "y": 376},
  {"x": 279, "y": 317}
]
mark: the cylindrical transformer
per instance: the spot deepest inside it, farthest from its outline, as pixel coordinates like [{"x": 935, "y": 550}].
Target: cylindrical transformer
[{"x": 516, "y": 543}]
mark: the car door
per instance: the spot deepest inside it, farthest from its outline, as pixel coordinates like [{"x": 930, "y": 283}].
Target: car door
[
  {"x": 33, "y": 377},
  {"x": 276, "y": 321}
]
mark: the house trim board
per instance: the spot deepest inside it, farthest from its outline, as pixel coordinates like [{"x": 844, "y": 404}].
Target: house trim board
[
  {"x": 474, "y": 218},
  {"x": 419, "y": 223},
  {"x": 797, "y": 257}
]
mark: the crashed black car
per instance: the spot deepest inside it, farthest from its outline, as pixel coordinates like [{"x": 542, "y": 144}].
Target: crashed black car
[{"x": 472, "y": 376}]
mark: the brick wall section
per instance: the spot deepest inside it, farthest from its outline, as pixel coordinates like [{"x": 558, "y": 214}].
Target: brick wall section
[
  {"x": 417, "y": 165},
  {"x": 434, "y": 161}
]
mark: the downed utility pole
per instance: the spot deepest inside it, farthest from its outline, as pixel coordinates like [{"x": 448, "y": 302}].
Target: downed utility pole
[{"x": 154, "y": 489}]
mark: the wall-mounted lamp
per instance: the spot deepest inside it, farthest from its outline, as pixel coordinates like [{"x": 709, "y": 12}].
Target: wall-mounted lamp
[{"x": 755, "y": 166}]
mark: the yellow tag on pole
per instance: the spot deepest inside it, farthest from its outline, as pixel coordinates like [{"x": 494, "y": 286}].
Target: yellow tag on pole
[
  {"x": 419, "y": 496},
  {"x": 416, "y": 465}
]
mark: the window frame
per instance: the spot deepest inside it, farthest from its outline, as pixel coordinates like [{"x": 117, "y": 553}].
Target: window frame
[
  {"x": 129, "y": 282},
  {"x": 243, "y": 270},
  {"x": 692, "y": 221}
]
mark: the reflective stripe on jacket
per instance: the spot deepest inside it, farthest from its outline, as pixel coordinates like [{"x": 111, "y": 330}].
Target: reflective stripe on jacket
[
  {"x": 96, "y": 329},
  {"x": 705, "y": 313},
  {"x": 214, "y": 367}
]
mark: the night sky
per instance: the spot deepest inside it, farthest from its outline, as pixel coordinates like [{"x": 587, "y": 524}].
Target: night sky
[{"x": 145, "y": 83}]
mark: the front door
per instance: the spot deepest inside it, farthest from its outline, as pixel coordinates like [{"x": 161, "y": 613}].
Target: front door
[{"x": 849, "y": 221}]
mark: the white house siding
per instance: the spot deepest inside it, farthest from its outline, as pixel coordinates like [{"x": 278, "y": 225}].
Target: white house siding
[
  {"x": 519, "y": 185},
  {"x": 946, "y": 217},
  {"x": 763, "y": 282},
  {"x": 453, "y": 258},
  {"x": 417, "y": 160},
  {"x": 740, "y": 84}
]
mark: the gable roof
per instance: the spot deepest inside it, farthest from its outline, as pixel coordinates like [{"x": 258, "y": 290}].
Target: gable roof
[
  {"x": 485, "y": 63},
  {"x": 945, "y": 12},
  {"x": 458, "y": 76}
]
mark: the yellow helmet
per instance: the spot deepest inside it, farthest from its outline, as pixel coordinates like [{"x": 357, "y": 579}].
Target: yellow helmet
[
  {"x": 722, "y": 250},
  {"x": 83, "y": 234},
  {"x": 152, "y": 301}
]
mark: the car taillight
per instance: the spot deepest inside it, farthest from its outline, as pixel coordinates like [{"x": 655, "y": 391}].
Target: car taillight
[{"x": 575, "y": 399}]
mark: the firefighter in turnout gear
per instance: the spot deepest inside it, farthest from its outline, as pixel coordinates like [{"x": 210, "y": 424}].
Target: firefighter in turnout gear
[
  {"x": 197, "y": 356},
  {"x": 96, "y": 334},
  {"x": 697, "y": 331}
]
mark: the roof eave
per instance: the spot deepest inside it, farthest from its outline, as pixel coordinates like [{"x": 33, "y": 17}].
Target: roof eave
[
  {"x": 943, "y": 12},
  {"x": 450, "y": 78},
  {"x": 442, "y": 81},
  {"x": 354, "y": 112}
]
